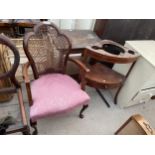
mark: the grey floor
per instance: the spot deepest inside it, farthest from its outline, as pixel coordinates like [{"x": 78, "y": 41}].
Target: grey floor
[{"x": 99, "y": 119}]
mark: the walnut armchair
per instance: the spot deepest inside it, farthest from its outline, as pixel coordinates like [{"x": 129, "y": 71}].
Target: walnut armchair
[
  {"x": 52, "y": 91},
  {"x": 21, "y": 124},
  {"x": 99, "y": 75}
]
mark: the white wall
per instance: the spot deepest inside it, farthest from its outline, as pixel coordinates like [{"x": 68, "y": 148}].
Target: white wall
[{"x": 84, "y": 24}]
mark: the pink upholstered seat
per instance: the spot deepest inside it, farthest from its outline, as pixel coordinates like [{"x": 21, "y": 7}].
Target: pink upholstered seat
[{"x": 55, "y": 93}]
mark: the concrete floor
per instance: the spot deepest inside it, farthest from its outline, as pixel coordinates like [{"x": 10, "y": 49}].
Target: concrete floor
[{"x": 99, "y": 119}]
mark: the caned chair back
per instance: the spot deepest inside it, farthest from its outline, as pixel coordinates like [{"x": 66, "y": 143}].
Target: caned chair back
[{"x": 47, "y": 49}]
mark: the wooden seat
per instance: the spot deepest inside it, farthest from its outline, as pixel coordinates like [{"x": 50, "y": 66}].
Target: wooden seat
[{"x": 103, "y": 77}]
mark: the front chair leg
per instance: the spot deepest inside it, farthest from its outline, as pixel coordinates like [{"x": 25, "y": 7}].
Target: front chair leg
[
  {"x": 82, "y": 110},
  {"x": 34, "y": 126}
]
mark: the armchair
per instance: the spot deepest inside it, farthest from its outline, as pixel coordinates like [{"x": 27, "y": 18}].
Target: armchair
[{"x": 52, "y": 91}]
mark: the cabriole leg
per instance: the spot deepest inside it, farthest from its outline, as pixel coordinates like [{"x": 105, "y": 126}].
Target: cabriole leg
[
  {"x": 82, "y": 110},
  {"x": 34, "y": 126}
]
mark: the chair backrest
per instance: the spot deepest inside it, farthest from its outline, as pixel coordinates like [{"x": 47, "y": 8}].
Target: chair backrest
[
  {"x": 47, "y": 49},
  {"x": 7, "y": 45},
  {"x": 112, "y": 52}
]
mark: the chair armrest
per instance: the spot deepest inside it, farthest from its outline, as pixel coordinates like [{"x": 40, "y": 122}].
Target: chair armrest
[
  {"x": 27, "y": 81},
  {"x": 83, "y": 71},
  {"x": 80, "y": 64}
]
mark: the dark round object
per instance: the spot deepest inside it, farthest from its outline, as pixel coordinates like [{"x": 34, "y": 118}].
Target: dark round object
[
  {"x": 113, "y": 49},
  {"x": 131, "y": 52}
]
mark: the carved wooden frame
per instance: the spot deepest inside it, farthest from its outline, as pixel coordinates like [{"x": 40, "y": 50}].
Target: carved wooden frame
[{"x": 16, "y": 86}]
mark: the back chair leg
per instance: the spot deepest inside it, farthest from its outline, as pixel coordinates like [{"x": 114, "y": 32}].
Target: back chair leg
[
  {"x": 34, "y": 126},
  {"x": 82, "y": 110}
]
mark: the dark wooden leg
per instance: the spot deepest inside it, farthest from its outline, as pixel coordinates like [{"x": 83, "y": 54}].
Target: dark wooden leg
[
  {"x": 34, "y": 126},
  {"x": 26, "y": 131},
  {"x": 103, "y": 98},
  {"x": 82, "y": 110}
]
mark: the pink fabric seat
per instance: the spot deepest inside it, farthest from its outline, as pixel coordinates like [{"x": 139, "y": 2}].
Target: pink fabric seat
[{"x": 55, "y": 93}]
